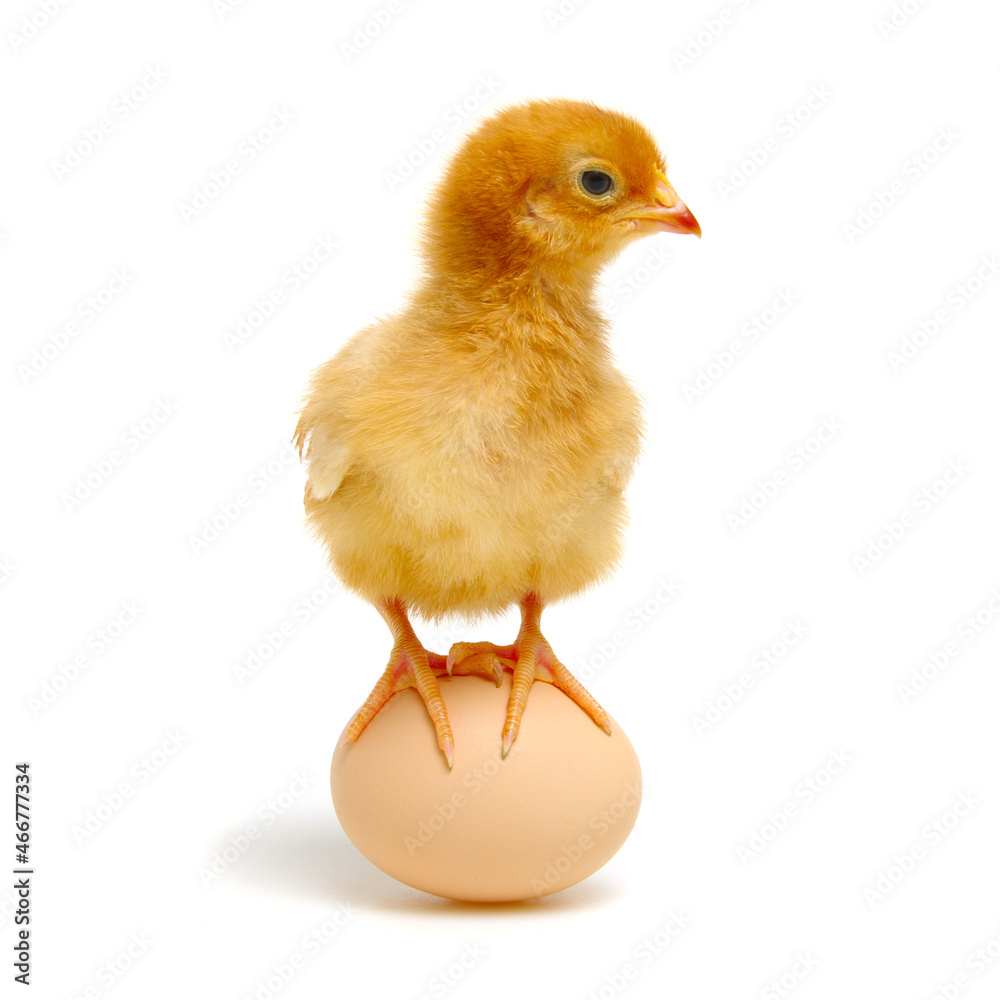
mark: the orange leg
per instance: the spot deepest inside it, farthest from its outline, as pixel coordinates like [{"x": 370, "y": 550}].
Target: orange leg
[
  {"x": 410, "y": 665},
  {"x": 531, "y": 659}
]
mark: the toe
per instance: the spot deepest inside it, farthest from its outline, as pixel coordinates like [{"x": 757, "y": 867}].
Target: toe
[
  {"x": 485, "y": 664},
  {"x": 568, "y": 684},
  {"x": 427, "y": 687},
  {"x": 464, "y": 650},
  {"x": 437, "y": 662}
]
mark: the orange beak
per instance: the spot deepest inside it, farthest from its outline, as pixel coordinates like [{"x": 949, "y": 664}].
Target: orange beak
[{"x": 667, "y": 214}]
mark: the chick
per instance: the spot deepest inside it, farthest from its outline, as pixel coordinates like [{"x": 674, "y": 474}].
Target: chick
[{"x": 471, "y": 452}]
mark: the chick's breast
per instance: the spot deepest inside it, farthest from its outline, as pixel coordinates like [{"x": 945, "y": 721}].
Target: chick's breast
[{"x": 472, "y": 473}]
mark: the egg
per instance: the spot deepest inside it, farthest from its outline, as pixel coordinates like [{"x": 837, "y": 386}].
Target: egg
[{"x": 490, "y": 829}]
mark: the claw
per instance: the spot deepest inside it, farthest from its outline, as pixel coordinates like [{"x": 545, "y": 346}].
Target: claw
[
  {"x": 462, "y": 651},
  {"x": 485, "y": 664},
  {"x": 537, "y": 662},
  {"x": 409, "y": 666},
  {"x": 530, "y": 658}
]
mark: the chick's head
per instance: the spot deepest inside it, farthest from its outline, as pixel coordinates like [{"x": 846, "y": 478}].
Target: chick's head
[{"x": 558, "y": 185}]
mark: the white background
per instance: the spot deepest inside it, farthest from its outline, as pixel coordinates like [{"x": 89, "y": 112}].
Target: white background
[{"x": 821, "y": 908}]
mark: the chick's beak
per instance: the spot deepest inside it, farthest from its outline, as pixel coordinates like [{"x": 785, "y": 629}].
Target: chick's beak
[{"x": 667, "y": 214}]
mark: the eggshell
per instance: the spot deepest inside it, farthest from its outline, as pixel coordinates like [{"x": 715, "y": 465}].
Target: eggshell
[{"x": 491, "y": 829}]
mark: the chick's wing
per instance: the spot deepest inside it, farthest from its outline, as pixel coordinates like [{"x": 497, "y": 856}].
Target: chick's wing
[{"x": 323, "y": 435}]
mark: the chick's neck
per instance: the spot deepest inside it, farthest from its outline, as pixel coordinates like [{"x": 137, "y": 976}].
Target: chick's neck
[{"x": 530, "y": 301}]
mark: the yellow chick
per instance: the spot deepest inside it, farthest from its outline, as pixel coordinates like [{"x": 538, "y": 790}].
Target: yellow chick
[{"x": 471, "y": 452}]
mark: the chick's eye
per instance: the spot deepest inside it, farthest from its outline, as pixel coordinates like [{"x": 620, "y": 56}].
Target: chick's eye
[{"x": 596, "y": 182}]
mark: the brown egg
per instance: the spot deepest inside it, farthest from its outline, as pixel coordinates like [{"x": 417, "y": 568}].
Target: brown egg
[{"x": 491, "y": 829}]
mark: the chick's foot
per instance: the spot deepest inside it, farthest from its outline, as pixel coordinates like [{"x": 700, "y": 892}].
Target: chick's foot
[
  {"x": 484, "y": 658},
  {"x": 531, "y": 659},
  {"x": 412, "y": 666}
]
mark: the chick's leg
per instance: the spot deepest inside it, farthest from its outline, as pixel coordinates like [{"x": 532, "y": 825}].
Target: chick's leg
[
  {"x": 531, "y": 659},
  {"x": 410, "y": 665}
]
